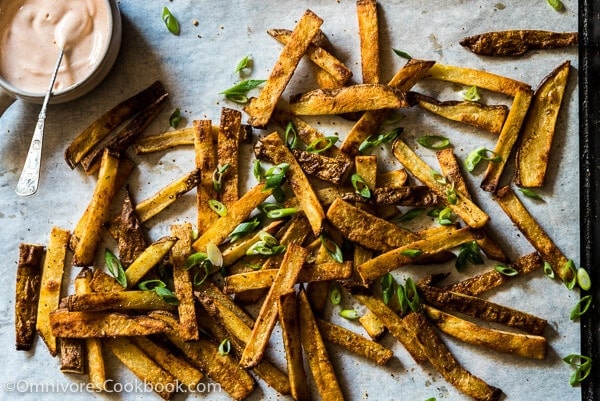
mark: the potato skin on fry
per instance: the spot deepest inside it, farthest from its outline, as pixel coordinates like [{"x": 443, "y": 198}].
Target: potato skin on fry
[
  {"x": 517, "y": 42},
  {"x": 29, "y": 275}
]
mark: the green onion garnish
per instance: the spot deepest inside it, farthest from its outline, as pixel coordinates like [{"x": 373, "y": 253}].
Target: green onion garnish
[
  {"x": 224, "y": 347},
  {"x": 321, "y": 144},
  {"x": 571, "y": 266},
  {"x": 434, "y": 141},
  {"x": 411, "y": 252},
  {"x": 468, "y": 253},
  {"x": 402, "y": 54},
  {"x": 218, "y": 207},
  {"x": 349, "y": 314},
  {"x": 375, "y": 140},
  {"x": 243, "y": 63},
  {"x": 218, "y": 177},
  {"x": 336, "y": 293},
  {"x": 556, "y": 4},
  {"x": 115, "y": 267},
  {"x": 530, "y": 193},
  {"x": 409, "y": 215},
  {"x": 281, "y": 213},
  {"x": 243, "y": 229},
  {"x": 581, "y": 307},
  {"x": 402, "y": 300},
  {"x": 291, "y": 136},
  {"x": 478, "y": 155},
  {"x": 332, "y": 248},
  {"x": 506, "y": 270},
  {"x": 175, "y": 118},
  {"x": 258, "y": 171},
  {"x": 583, "y": 365},
  {"x": 387, "y": 287},
  {"x": 412, "y": 295},
  {"x": 170, "y": 21},
  {"x": 548, "y": 271},
  {"x": 583, "y": 279},
  {"x": 238, "y": 92},
  {"x": 160, "y": 288},
  {"x": 360, "y": 186},
  {"x": 472, "y": 94}
]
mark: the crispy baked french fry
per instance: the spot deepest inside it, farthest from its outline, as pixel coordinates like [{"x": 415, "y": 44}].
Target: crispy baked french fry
[
  {"x": 234, "y": 251},
  {"x": 444, "y": 362},
  {"x": 131, "y": 236},
  {"x": 535, "y": 234},
  {"x": 261, "y": 108},
  {"x": 103, "y": 324},
  {"x": 368, "y": 32},
  {"x": 102, "y": 282},
  {"x": 322, "y": 371},
  {"x": 517, "y": 42},
  {"x": 307, "y": 133},
  {"x": 110, "y": 120},
  {"x": 116, "y": 301},
  {"x": 354, "y": 342},
  {"x": 370, "y": 121},
  {"x": 508, "y": 137},
  {"x": 210, "y": 290},
  {"x": 206, "y": 162},
  {"x": 290, "y": 333},
  {"x": 332, "y": 169},
  {"x": 166, "y": 196},
  {"x": 236, "y": 214},
  {"x": 538, "y": 130},
  {"x": 482, "y": 309},
  {"x": 151, "y": 256},
  {"x": 386, "y": 262},
  {"x": 481, "y": 79},
  {"x": 52, "y": 276},
  {"x": 228, "y": 154},
  {"x": 366, "y": 168},
  {"x": 472, "y": 215},
  {"x": 372, "y": 325},
  {"x": 487, "y": 117},
  {"x": 319, "y": 56},
  {"x": 524, "y": 345},
  {"x": 163, "y": 141},
  {"x": 182, "y": 281},
  {"x": 96, "y": 213},
  {"x": 394, "y": 178},
  {"x": 132, "y": 356},
  {"x": 27, "y": 293},
  {"x": 349, "y": 99},
  {"x": 408, "y": 195},
  {"x": 477, "y": 285},
  {"x": 279, "y": 153},
  {"x": 265, "y": 322},
  {"x": 179, "y": 368},
  {"x": 72, "y": 355}
]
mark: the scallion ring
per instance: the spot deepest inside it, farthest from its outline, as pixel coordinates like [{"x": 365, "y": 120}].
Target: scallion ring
[
  {"x": 506, "y": 270},
  {"x": 321, "y": 144},
  {"x": 360, "y": 186},
  {"x": 217, "y": 207},
  {"x": 434, "y": 141},
  {"x": 281, "y": 213},
  {"x": 581, "y": 307},
  {"x": 225, "y": 347},
  {"x": 349, "y": 314},
  {"x": 332, "y": 248}
]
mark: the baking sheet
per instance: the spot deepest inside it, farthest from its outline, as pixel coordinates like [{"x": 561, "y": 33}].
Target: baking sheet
[{"x": 198, "y": 64}]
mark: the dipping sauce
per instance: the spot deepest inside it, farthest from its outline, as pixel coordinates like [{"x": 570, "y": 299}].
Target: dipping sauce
[{"x": 32, "y": 32}]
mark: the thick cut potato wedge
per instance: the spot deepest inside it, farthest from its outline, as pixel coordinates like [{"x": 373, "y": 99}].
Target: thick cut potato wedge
[
  {"x": 517, "y": 42},
  {"x": 151, "y": 256},
  {"x": 206, "y": 162},
  {"x": 164, "y": 141},
  {"x": 368, "y": 32},
  {"x": 27, "y": 293}
]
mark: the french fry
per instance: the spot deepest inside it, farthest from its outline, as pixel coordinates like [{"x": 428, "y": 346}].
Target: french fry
[
  {"x": 394, "y": 178},
  {"x": 290, "y": 332},
  {"x": 307, "y": 133},
  {"x": 52, "y": 276},
  {"x": 166, "y": 196},
  {"x": 368, "y": 31},
  {"x": 487, "y": 117},
  {"x": 72, "y": 355},
  {"x": 354, "y": 342},
  {"x": 102, "y": 282},
  {"x": 110, "y": 120},
  {"x": 182, "y": 281},
  {"x": 535, "y": 234},
  {"x": 131, "y": 237},
  {"x": 472, "y": 215},
  {"x": 372, "y": 325},
  {"x": 332, "y": 169},
  {"x": 524, "y": 345},
  {"x": 507, "y": 138},
  {"x": 322, "y": 371},
  {"x": 482, "y": 309},
  {"x": 228, "y": 154},
  {"x": 517, "y": 42},
  {"x": 265, "y": 322},
  {"x": 324, "y": 79},
  {"x": 261, "y": 108},
  {"x": 96, "y": 214},
  {"x": 538, "y": 130},
  {"x": 116, "y": 301},
  {"x": 444, "y": 362},
  {"x": 151, "y": 256},
  {"x": 210, "y": 290},
  {"x": 103, "y": 324},
  {"x": 234, "y": 251},
  {"x": 370, "y": 121},
  {"x": 27, "y": 293},
  {"x": 143, "y": 366},
  {"x": 164, "y": 141},
  {"x": 319, "y": 56},
  {"x": 206, "y": 163},
  {"x": 349, "y": 99}
]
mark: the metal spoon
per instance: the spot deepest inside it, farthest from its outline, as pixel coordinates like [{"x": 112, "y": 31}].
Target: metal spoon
[{"x": 30, "y": 176}]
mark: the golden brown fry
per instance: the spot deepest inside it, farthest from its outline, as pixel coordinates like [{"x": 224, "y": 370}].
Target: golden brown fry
[
  {"x": 102, "y": 282},
  {"x": 524, "y": 345},
  {"x": 284, "y": 282},
  {"x": 535, "y": 234},
  {"x": 487, "y": 117},
  {"x": 482, "y": 309},
  {"x": 444, "y": 362},
  {"x": 517, "y": 42},
  {"x": 103, "y": 324},
  {"x": 372, "y": 325},
  {"x": 408, "y": 195},
  {"x": 349, "y": 99},
  {"x": 110, "y": 120},
  {"x": 323, "y": 374},
  {"x": 370, "y": 121},
  {"x": 279, "y": 153},
  {"x": 131, "y": 237},
  {"x": 394, "y": 178},
  {"x": 290, "y": 332},
  {"x": 27, "y": 293},
  {"x": 354, "y": 342},
  {"x": 166, "y": 196},
  {"x": 538, "y": 130},
  {"x": 164, "y": 141},
  {"x": 261, "y": 108},
  {"x": 210, "y": 290},
  {"x": 368, "y": 31},
  {"x": 472, "y": 215},
  {"x": 116, "y": 301},
  {"x": 207, "y": 164},
  {"x": 182, "y": 281},
  {"x": 52, "y": 275},
  {"x": 72, "y": 355},
  {"x": 307, "y": 133},
  {"x": 324, "y": 79},
  {"x": 319, "y": 56},
  {"x": 151, "y": 256},
  {"x": 143, "y": 366},
  {"x": 234, "y": 251},
  {"x": 508, "y": 137},
  {"x": 332, "y": 169},
  {"x": 478, "y": 78},
  {"x": 228, "y": 154},
  {"x": 96, "y": 214}
]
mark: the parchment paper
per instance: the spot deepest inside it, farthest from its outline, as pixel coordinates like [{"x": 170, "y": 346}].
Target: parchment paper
[{"x": 195, "y": 67}]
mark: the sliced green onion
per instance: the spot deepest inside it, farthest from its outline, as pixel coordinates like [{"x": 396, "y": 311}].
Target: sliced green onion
[
  {"x": 115, "y": 267},
  {"x": 243, "y": 229},
  {"x": 556, "y": 4},
  {"x": 472, "y": 94},
  {"x": 360, "y": 186},
  {"x": 506, "y": 270},
  {"x": 437, "y": 177},
  {"x": 530, "y": 193},
  {"x": 349, "y": 314},
  {"x": 548, "y": 271},
  {"x": 217, "y": 176},
  {"x": 402, "y": 54},
  {"x": 175, "y": 118},
  {"x": 332, "y": 248},
  {"x": 281, "y": 213},
  {"x": 195, "y": 259},
  {"x": 266, "y": 207},
  {"x": 275, "y": 175},
  {"x": 278, "y": 193},
  {"x": 243, "y": 63},
  {"x": 434, "y": 141},
  {"x": 411, "y": 252},
  {"x": 375, "y": 140},
  {"x": 268, "y": 238},
  {"x": 253, "y": 266},
  {"x": 402, "y": 300},
  {"x": 170, "y": 21},
  {"x": 336, "y": 293},
  {"x": 224, "y": 347},
  {"x": 218, "y": 207},
  {"x": 571, "y": 266},
  {"x": 583, "y": 365},
  {"x": 167, "y": 295},
  {"x": 242, "y": 88},
  {"x": 202, "y": 274},
  {"x": 387, "y": 287},
  {"x": 291, "y": 136},
  {"x": 409, "y": 215},
  {"x": 258, "y": 171},
  {"x": 444, "y": 216},
  {"x": 150, "y": 285},
  {"x": 581, "y": 307},
  {"x": 451, "y": 196},
  {"x": 214, "y": 255},
  {"x": 583, "y": 279},
  {"x": 468, "y": 253},
  {"x": 412, "y": 295},
  {"x": 260, "y": 248},
  {"x": 321, "y": 144},
  {"x": 237, "y": 98}
]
